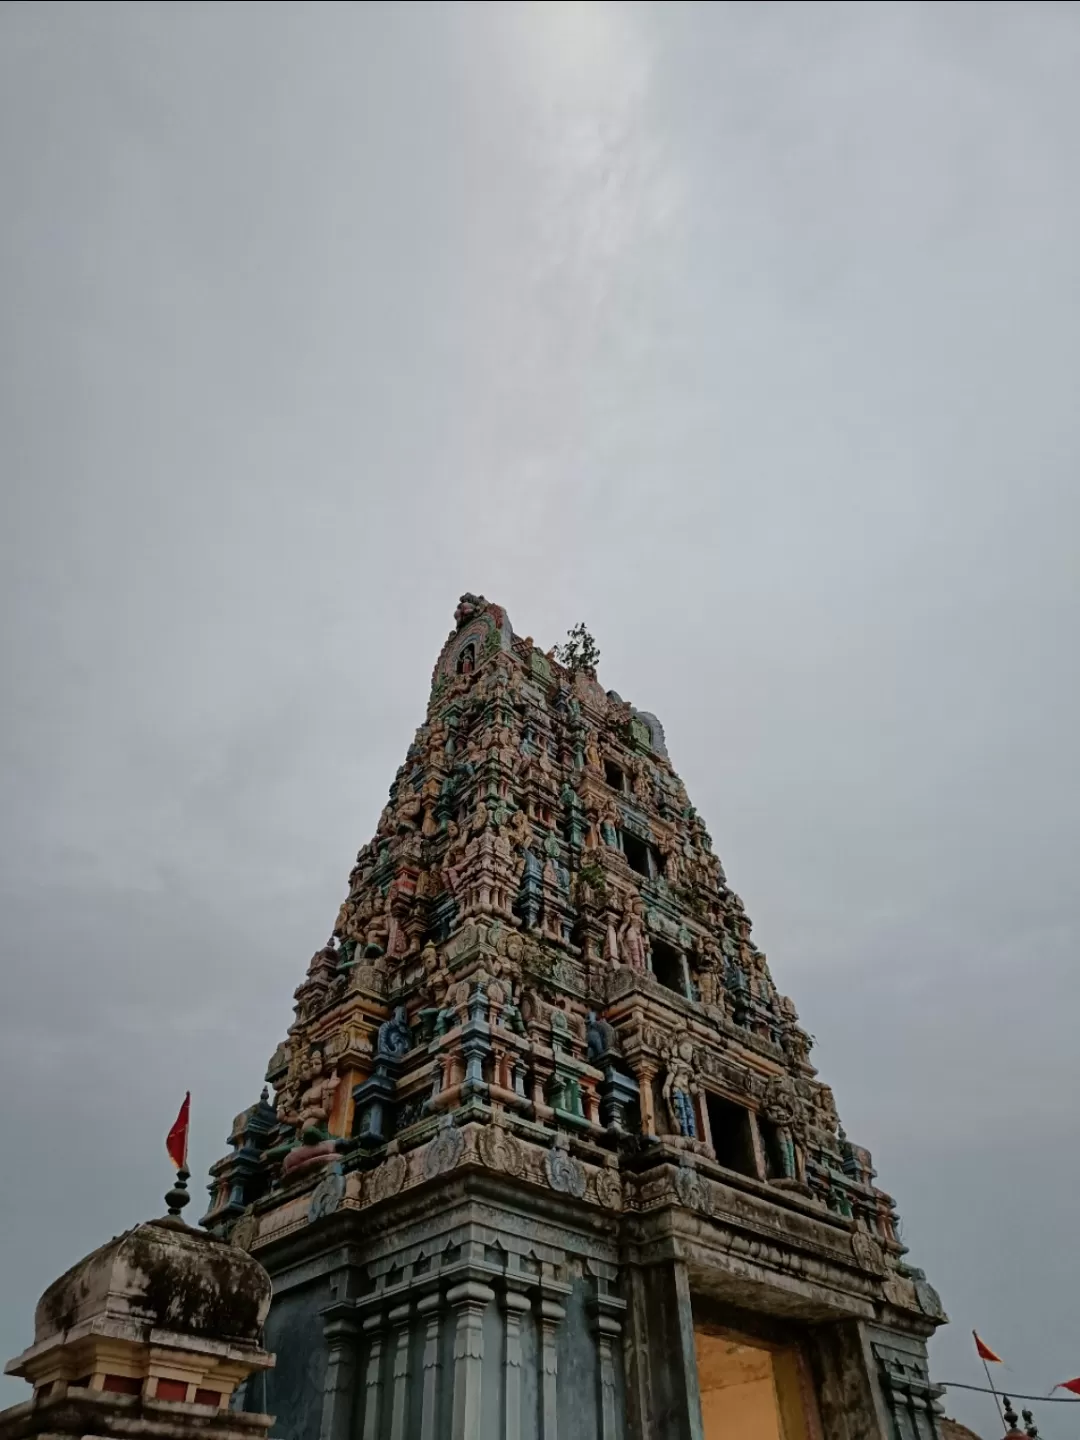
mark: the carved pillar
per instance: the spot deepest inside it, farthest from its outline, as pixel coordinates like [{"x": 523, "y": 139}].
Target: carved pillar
[
  {"x": 590, "y": 1101},
  {"x": 373, "y": 1396},
  {"x": 399, "y": 1403},
  {"x": 704, "y": 1127},
  {"x": 607, "y": 1327},
  {"x": 663, "y": 1400},
  {"x": 470, "y": 1300},
  {"x": 757, "y": 1145},
  {"x": 431, "y": 1308},
  {"x": 552, "y": 1315},
  {"x": 438, "y": 1076},
  {"x": 515, "y": 1306},
  {"x": 646, "y": 1074},
  {"x": 341, "y": 1326}
]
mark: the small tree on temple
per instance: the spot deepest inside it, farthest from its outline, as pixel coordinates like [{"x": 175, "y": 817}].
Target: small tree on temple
[{"x": 580, "y": 651}]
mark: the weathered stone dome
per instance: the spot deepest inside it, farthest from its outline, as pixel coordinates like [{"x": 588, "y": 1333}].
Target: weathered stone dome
[{"x": 163, "y": 1275}]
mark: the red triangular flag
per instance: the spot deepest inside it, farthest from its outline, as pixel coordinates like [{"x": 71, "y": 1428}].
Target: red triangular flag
[
  {"x": 1073, "y": 1385},
  {"x": 984, "y": 1351},
  {"x": 176, "y": 1140}
]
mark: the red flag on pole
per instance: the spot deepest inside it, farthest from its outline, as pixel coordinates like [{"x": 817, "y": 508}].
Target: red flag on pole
[
  {"x": 176, "y": 1140},
  {"x": 984, "y": 1352},
  {"x": 1073, "y": 1385}
]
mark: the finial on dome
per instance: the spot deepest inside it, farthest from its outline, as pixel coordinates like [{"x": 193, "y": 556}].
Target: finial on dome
[
  {"x": 176, "y": 1147},
  {"x": 178, "y": 1196}
]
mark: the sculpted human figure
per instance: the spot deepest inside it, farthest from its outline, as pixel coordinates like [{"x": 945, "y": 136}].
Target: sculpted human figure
[
  {"x": 480, "y": 817},
  {"x": 519, "y": 831},
  {"x": 609, "y": 825},
  {"x": 430, "y": 799},
  {"x": 632, "y": 942},
  {"x": 454, "y": 863},
  {"x": 344, "y": 917},
  {"x": 503, "y": 747},
  {"x": 680, "y": 1087},
  {"x": 436, "y": 741},
  {"x": 709, "y": 987},
  {"x": 593, "y": 761},
  {"x": 643, "y": 783},
  {"x": 825, "y": 1109},
  {"x": 378, "y": 931},
  {"x": 359, "y": 920},
  {"x": 781, "y": 1111},
  {"x": 672, "y": 862},
  {"x": 438, "y": 976},
  {"x": 317, "y": 1087}
]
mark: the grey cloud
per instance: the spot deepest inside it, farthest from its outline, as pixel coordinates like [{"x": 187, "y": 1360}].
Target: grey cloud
[{"x": 747, "y": 334}]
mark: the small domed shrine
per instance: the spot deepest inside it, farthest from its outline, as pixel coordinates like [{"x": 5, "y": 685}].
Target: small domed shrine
[
  {"x": 150, "y": 1335},
  {"x": 547, "y": 1157}
]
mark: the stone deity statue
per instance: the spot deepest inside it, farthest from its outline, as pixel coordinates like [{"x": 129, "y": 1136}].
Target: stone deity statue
[
  {"x": 632, "y": 942},
  {"x": 318, "y": 1086},
  {"x": 680, "y": 1087}
]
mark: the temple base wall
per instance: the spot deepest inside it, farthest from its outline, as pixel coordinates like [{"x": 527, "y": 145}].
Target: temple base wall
[{"x": 480, "y": 1309}]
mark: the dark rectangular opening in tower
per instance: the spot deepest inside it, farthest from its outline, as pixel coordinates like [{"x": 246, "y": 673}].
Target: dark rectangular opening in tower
[
  {"x": 667, "y": 966},
  {"x": 731, "y": 1138},
  {"x": 636, "y": 852},
  {"x": 614, "y": 776}
]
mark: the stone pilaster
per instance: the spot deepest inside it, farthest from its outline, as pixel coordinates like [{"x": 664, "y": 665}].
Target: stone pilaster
[
  {"x": 552, "y": 1314},
  {"x": 607, "y": 1327},
  {"x": 515, "y": 1307},
  {"x": 469, "y": 1300},
  {"x": 430, "y": 1307},
  {"x": 646, "y": 1073},
  {"x": 663, "y": 1400},
  {"x": 341, "y": 1328},
  {"x": 373, "y": 1384},
  {"x": 399, "y": 1319}
]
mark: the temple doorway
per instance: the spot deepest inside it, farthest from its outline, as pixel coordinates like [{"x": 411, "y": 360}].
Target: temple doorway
[{"x": 750, "y": 1390}]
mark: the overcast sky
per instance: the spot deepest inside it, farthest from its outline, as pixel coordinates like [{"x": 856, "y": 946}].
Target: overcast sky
[{"x": 747, "y": 334}]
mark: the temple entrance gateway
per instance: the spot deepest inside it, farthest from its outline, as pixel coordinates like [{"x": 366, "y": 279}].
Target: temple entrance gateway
[{"x": 750, "y": 1390}]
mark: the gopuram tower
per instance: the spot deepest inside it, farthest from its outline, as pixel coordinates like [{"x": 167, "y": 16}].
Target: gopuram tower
[{"x": 547, "y": 1157}]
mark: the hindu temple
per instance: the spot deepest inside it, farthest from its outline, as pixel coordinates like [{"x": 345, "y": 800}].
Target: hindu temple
[{"x": 543, "y": 1154}]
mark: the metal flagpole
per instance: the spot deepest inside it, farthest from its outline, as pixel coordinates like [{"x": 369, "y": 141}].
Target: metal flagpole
[{"x": 986, "y": 1367}]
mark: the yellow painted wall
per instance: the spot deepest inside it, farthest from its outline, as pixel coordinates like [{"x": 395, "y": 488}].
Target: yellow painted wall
[{"x": 747, "y": 1391}]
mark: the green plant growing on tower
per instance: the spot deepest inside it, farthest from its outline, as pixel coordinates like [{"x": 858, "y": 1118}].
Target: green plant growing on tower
[
  {"x": 580, "y": 651},
  {"x": 593, "y": 876}
]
